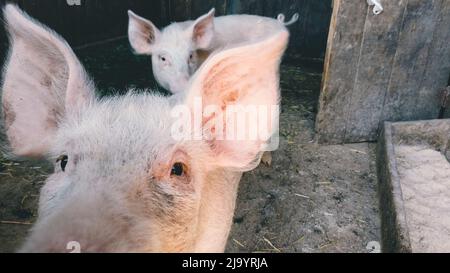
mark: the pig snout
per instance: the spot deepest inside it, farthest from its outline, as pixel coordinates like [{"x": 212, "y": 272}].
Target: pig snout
[
  {"x": 83, "y": 226},
  {"x": 180, "y": 85}
]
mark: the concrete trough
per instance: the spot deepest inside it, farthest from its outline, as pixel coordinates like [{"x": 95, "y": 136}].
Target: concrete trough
[{"x": 413, "y": 162}]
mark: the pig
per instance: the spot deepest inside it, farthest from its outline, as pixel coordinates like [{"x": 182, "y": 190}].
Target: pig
[
  {"x": 122, "y": 181},
  {"x": 179, "y": 49}
]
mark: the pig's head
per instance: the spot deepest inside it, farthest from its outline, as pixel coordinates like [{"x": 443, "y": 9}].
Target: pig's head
[
  {"x": 176, "y": 50},
  {"x": 122, "y": 182}
]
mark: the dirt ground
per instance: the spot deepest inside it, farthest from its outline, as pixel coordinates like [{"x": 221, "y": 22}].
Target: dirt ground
[{"x": 312, "y": 198}]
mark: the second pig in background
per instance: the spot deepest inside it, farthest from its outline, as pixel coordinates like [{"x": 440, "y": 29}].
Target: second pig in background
[{"x": 179, "y": 49}]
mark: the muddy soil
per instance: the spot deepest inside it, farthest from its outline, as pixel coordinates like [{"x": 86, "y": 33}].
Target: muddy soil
[{"x": 311, "y": 198}]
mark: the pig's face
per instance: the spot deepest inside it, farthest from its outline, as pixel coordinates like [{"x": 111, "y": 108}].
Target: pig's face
[
  {"x": 119, "y": 172},
  {"x": 122, "y": 181},
  {"x": 174, "y": 59},
  {"x": 177, "y": 50}
]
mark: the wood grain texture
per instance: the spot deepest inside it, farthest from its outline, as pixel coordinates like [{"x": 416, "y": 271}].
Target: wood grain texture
[
  {"x": 378, "y": 49},
  {"x": 343, "y": 54},
  {"x": 437, "y": 72},
  {"x": 411, "y": 65},
  {"x": 403, "y": 65}
]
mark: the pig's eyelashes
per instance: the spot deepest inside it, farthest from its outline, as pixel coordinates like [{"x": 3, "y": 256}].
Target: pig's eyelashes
[{"x": 63, "y": 161}]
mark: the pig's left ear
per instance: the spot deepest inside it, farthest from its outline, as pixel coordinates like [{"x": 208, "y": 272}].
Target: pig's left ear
[
  {"x": 203, "y": 30},
  {"x": 43, "y": 81},
  {"x": 235, "y": 82}
]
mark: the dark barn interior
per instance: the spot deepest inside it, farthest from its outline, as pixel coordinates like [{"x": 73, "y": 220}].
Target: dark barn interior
[
  {"x": 339, "y": 72},
  {"x": 97, "y": 31},
  {"x": 95, "y": 21}
]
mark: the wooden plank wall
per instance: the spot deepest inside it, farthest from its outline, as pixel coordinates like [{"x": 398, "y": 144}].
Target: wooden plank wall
[
  {"x": 392, "y": 66},
  {"x": 92, "y": 21},
  {"x": 97, "y": 20},
  {"x": 309, "y": 34}
]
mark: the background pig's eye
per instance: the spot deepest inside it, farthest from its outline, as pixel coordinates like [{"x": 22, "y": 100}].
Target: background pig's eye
[
  {"x": 178, "y": 169},
  {"x": 63, "y": 161},
  {"x": 191, "y": 56}
]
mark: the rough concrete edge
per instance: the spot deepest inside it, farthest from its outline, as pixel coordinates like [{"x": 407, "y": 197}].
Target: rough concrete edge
[
  {"x": 394, "y": 230},
  {"x": 436, "y": 128}
]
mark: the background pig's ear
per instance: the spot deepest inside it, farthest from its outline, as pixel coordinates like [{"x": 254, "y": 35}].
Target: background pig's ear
[
  {"x": 247, "y": 77},
  {"x": 43, "y": 81},
  {"x": 142, "y": 34},
  {"x": 203, "y": 30}
]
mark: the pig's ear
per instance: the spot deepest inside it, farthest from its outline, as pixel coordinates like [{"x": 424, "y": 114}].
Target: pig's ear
[
  {"x": 203, "y": 30},
  {"x": 239, "y": 80},
  {"x": 42, "y": 82},
  {"x": 142, "y": 34}
]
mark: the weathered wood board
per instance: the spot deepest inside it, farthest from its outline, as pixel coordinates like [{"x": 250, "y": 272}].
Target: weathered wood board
[
  {"x": 341, "y": 61},
  {"x": 403, "y": 98},
  {"x": 402, "y": 64},
  {"x": 372, "y": 79},
  {"x": 439, "y": 60}
]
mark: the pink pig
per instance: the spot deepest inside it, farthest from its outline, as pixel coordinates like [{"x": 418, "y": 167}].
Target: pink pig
[
  {"x": 179, "y": 49},
  {"x": 122, "y": 182}
]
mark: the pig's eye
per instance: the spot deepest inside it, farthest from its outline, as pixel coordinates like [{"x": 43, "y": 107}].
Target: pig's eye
[
  {"x": 191, "y": 56},
  {"x": 162, "y": 58},
  {"x": 63, "y": 161},
  {"x": 178, "y": 169}
]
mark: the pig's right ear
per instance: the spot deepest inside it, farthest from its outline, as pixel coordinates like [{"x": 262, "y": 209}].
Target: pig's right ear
[
  {"x": 43, "y": 81},
  {"x": 241, "y": 78},
  {"x": 203, "y": 30},
  {"x": 142, "y": 34}
]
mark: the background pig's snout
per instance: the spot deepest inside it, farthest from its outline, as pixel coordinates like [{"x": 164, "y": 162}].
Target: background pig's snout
[{"x": 180, "y": 85}]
